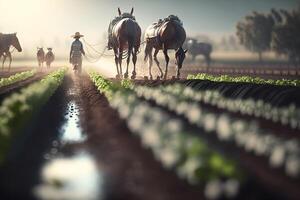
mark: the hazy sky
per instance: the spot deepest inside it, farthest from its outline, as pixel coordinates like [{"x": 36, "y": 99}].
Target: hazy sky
[{"x": 51, "y": 22}]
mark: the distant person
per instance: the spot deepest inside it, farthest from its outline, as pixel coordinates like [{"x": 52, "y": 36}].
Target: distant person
[
  {"x": 76, "y": 53},
  {"x": 40, "y": 55},
  {"x": 49, "y": 58}
]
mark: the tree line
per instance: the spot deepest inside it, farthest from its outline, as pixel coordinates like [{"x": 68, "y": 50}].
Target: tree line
[{"x": 278, "y": 30}]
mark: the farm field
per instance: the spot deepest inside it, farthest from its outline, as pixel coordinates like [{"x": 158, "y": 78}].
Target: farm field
[
  {"x": 201, "y": 139},
  {"x": 149, "y": 100}
]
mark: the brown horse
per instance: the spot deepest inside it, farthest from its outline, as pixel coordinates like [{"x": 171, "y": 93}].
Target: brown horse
[
  {"x": 7, "y": 40},
  {"x": 124, "y": 37},
  {"x": 164, "y": 35}
]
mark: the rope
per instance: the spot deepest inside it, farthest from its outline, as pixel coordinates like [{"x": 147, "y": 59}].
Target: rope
[
  {"x": 93, "y": 59},
  {"x": 97, "y": 44}
]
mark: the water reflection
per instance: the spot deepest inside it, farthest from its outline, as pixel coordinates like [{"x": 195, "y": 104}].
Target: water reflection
[
  {"x": 71, "y": 178},
  {"x": 67, "y": 174},
  {"x": 71, "y": 130}
]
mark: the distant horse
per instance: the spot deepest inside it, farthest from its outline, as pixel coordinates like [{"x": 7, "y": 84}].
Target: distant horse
[
  {"x": 163, "y": 35},
  {"x": 7, "y": 40},
  {"x": 40, "y": 55},
  {"x": 199, "y": 48},
  {"x": 124, "y": 34}
]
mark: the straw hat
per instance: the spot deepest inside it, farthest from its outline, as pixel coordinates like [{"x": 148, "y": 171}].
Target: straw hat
[{"x": 77, "y": 35}]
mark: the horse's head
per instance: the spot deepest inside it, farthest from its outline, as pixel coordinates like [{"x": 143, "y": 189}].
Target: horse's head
[
  {"x": 180, "y": 56},
  {"x": 126, "y": 15},
  {"x": 15, "y": 42}
]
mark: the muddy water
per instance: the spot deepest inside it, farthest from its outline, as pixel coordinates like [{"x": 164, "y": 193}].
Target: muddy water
[{"x": 69, "y": 171}]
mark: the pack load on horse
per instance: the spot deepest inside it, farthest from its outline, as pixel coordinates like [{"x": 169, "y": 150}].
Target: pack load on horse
[
  {"x": 40, "y": 55},
  {"x": 164, "y": 35},
  {"x": 198, "y": 48},
  {"x": 49, "y": 58},
  {"x": 76, "y": 53},
  {"x": 124, "y": 36},
  {"x": 6, "y": 41}
]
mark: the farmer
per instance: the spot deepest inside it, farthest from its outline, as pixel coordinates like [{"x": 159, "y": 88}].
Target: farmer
[
  {"x": 49, "y": 58},
  {"x": 76, "y": 51}
]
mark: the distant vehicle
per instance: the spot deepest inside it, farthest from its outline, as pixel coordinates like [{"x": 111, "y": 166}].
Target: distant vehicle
[
  {"x": 49, "y": 57},
  {"x": 198, "y": 48},
  {"x": 40, "y": 55}
]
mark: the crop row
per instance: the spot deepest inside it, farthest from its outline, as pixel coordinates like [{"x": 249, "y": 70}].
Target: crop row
[
  {"x": 17, "y": 109},
  {"x": 287, "y": 115},
  {"x": 172, "y": 143},
  {"x": 244, "y": 79},
  {"x": 16, "y": 77},
  {"x": 245, "y": 134}
]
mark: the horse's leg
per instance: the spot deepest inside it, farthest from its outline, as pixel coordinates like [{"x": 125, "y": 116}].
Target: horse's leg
[
  {"x": 10, "y": 59},
  {"x": 150, "y": 63},
  {"x": 120, "y": 57},
  {"x": 134, "y": 58},
  {"x": 128, "y": 60},
  {"x": 116, "y": 61},
  {"x": 3, "y": 61},
  {"x": 167, "y": 62},
  {"x": 157, "y": 62}
]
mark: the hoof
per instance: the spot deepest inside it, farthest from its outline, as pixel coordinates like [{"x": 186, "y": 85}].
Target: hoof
[
  {"x": 126, "y": 75},
  {"x": 145, "y": 77},
  {"x": 118, "y": 76},
  {"x": 133, "y": 76},
  {"x": 173, "y": 77},
  {"x": 158, "y": 77}
]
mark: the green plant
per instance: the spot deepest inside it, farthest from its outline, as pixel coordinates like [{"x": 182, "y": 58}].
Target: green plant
[
  {"x": 244, "y": 79},
  {"x": 17, "y": 109},
  {"x": 16, "y": 77}
]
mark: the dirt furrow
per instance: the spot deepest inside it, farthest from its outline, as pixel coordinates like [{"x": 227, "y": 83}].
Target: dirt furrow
[{"x": 131, "y": 171}]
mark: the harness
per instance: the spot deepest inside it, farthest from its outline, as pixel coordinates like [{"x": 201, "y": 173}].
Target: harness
[{"x": 157, "y": 27}]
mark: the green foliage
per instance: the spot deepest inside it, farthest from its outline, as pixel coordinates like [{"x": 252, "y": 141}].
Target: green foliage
[
  {"x": 126, "y": 83},
  {"x": 286, "y": 33},
  {"x": 17, "y": 109},
  {"x": 255, "y": 32},
  {"x": 108, "y": 87},
  {"x": 244, "y": 79},
  {"x": 102, "y": 84},
  {"x": 16, "y": 77},
  {"x": 194, "y": 159}
]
